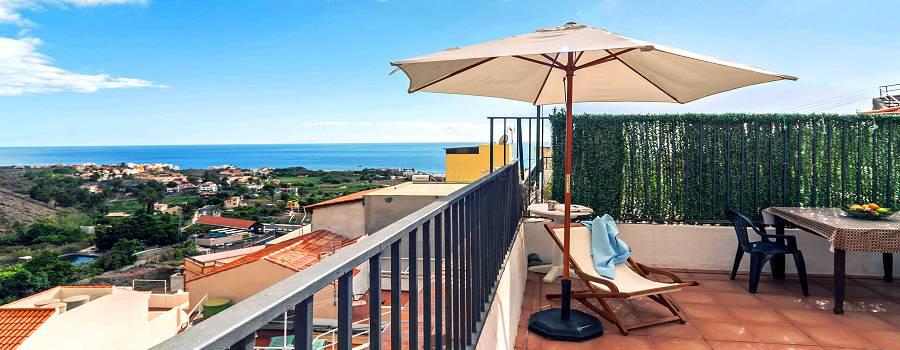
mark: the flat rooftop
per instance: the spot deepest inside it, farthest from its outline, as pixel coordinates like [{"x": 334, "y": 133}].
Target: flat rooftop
[{"x": 419, "y": 189}]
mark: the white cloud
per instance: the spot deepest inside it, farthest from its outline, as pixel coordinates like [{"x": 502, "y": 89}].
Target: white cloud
[
  {"x": 10, "y": 10},
  {"x": 24, "y": 70}
]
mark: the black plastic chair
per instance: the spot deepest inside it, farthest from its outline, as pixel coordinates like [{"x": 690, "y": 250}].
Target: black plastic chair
[{"x": 764, "y": 250}]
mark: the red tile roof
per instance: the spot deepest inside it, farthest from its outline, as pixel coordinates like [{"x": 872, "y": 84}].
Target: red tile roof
[
  {"x": 225, "y": 222},
  {"x": 296, "y": 254},
  {"x": 889, "y": 110},
  {"x": 16, "y": 325},
  {"x": 353, "y": 197}
]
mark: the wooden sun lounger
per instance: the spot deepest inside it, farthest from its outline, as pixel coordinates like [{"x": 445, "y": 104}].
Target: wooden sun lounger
[{"x": 632, "y": 280}]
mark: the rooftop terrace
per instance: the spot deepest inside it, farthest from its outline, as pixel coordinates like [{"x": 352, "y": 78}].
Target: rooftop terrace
[{"x": 479, "y": 295}]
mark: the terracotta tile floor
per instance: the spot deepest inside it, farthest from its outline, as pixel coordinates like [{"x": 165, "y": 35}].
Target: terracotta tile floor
[{"x": 723, "y": 315}]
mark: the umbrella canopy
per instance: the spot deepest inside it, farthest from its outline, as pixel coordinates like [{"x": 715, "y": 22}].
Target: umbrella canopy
[{"x": 609, "y": 68}]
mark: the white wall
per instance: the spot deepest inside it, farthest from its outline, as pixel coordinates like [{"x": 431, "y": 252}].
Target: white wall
[
  {"x": 501, "y": 323},
  {"x": 115, "y": 321},
  {"x": 345, "y": 219},
  {"x": 713, "y": 248}
]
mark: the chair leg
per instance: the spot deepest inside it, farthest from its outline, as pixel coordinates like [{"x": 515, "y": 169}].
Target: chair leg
[
  {"x": 756, "y": 264},
  {"x": 801, "y": 271},
  {"x": 737, "y": 262},
  {"x": 672, "y": 306},
  {"x": 614, "y": 318}
]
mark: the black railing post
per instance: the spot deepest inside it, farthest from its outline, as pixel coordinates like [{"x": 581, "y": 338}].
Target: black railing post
[
  {"x": 247, "y": 343},
  {"x": 345, "y": 303},
  {"x": 448, "y": 276},
  {"x": 470, "y": 286},
  {"x": 396, "y": 319},
  {"x": 491, "y": 148},
  {"x": 438, "y": 283},
  {"x": 426, "y": 285},
  {"x": 375, "y": 302},
  {"x": 413, "y": 307},
  {"x": 303, "y": 322},
  {"x": 457, "y": 331}
]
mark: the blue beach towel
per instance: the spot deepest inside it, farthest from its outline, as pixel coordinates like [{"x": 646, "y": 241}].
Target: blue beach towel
[{"x": 607, "y": 249}]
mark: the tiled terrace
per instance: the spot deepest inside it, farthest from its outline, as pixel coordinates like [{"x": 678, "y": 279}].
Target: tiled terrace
[{"x": 723, "y": 315}]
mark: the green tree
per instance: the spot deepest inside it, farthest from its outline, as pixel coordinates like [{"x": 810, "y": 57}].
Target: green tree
[
  {"x": 149, "y": 193},
  {"x": 95, "y": 201},
  {"x": 46, "y": 231},
  {"x": 64, "y": 190},
  {"x": 146, "y": 228},
  {"x": 121, "y": 254},
  {"x": 16, "y": 281},
  {"x": 269, "y": 189},
  {"x": 56, "y": 270},
  {"x": 117, "y": 184}
]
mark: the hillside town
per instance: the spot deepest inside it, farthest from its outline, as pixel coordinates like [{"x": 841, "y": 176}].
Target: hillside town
[{"x": 80, "y": 212}]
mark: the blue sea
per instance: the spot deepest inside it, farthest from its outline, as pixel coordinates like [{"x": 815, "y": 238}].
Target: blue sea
[{"x": 427, "y": 157}]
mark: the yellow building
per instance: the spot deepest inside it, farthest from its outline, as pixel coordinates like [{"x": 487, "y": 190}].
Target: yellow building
[{"x": 467, "y": 164}]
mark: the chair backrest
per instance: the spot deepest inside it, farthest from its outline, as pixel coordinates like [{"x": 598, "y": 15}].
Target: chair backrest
[
  {"x": 741, "y": 224},
  {"x": 579, "y": 237}
]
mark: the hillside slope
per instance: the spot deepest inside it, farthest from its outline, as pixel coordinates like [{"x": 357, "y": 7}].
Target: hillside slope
[{"x": 15, "y": 207}]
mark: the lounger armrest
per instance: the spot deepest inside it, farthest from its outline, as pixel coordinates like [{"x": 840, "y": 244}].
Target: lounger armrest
[
  {"x": 791, "y": 240},
  {"x": 612, "y": 287},
  {"x": 653, "y": 270}
]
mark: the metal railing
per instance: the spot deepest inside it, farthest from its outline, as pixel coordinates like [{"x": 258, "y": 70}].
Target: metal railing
[
  {"x": 472, "y": 231},
  {"x": 141, "y": 285},
  {"x": 195, "y": 314},
  {"x": 331, "y": 336}
]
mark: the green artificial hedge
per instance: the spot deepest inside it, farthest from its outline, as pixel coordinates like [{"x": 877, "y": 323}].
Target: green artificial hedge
[{"x": 691, "y": 167}]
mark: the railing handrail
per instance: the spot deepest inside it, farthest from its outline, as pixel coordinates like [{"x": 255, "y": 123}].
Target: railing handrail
[{"x": 244, "y": 318}]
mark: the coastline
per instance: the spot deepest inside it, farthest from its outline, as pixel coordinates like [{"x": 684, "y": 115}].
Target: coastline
[{"x": 426, "y": 157}]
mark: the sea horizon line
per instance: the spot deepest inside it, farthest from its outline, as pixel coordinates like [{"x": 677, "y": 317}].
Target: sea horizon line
[{"x": 250, "y": 144}]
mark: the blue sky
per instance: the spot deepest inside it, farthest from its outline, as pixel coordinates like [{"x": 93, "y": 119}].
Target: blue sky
[{"x": 126, "y": 72}]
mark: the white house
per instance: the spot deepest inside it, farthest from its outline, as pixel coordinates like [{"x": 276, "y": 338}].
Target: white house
[{"x": 208, "y": 187}]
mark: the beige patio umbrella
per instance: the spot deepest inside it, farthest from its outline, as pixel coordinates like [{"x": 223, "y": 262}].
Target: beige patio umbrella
[{"x": 577, "y": 63}]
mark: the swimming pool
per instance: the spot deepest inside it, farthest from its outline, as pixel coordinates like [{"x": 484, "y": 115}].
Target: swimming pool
[{"x": 79, "y": 259}]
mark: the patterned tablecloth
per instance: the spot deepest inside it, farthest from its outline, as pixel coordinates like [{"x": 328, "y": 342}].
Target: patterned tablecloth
[{"x": 847, "y": 233}]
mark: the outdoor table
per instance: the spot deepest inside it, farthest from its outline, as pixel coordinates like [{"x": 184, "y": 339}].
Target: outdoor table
[
  {"x": 554, "y": 269},
  {"x": 845, "y": 234},
  {"x": 557, "y": 214}
]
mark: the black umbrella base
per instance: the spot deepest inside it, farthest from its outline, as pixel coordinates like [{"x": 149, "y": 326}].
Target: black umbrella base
[{"x": 579, "y": 327}]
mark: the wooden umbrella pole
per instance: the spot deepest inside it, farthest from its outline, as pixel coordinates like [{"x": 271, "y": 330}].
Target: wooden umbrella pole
[{"x": 565, "y": 303}]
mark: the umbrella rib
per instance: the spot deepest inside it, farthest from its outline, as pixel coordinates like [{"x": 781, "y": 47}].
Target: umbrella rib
[
  {"x": 553, "y": 60},
  {"x": 550, "y": 70},
  {"x": 538, "y": 62},
  {"x": 476, "y": 64},
  {"x": 645, "y": 78},
  {"x": 577, "y": 58},
  {"x": 611, "y": 57}
]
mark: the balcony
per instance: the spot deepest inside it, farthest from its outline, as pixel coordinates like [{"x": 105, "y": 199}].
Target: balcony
[{"x": 475, "y": 291}]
